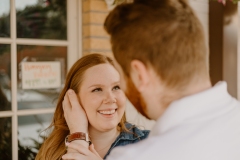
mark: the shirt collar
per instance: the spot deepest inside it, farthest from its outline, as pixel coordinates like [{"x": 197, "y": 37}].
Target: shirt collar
[{"x": 191, "y": 106}]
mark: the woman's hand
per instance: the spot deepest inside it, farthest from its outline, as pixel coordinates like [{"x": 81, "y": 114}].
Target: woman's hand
[
  {"x": 74, "y": 114},
  {"x": 75, "y": 117},
  {"x": 83, "y": 153}
]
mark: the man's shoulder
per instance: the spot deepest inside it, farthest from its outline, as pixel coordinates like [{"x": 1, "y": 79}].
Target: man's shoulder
[
  {"x": 187, "y": 142},
  {"x": 135, "y": 151}
]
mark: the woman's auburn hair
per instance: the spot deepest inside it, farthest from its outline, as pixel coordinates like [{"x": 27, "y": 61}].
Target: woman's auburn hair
[{"x": 53, "y": 147}]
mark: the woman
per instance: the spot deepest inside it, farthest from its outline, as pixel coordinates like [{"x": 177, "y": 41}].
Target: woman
[{"x": 96, "y": 82}]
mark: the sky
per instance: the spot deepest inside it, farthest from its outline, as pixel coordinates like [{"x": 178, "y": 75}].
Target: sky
[{"x": 20, "y": 4}]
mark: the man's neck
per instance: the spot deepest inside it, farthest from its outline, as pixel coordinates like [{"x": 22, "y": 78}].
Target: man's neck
[
  {"x": 196, "y": 87},
  {"x": 167, "y": 96}
]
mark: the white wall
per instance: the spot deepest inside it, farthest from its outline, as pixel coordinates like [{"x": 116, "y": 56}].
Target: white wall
[
  {"x": 238, "y": 55},
  {"x": 231, "y": 55},
  {"x": 201, "y": 9},
  {"x": 230, "y": 37}
]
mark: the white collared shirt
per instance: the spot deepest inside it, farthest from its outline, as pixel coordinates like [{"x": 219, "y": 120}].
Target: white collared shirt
[{"x": 203, "y": 126}]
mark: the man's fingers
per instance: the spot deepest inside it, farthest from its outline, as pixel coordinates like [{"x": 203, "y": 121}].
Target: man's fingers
[
  {"x": 80, "y": 148},
  {"x": 73, "y": 156}
]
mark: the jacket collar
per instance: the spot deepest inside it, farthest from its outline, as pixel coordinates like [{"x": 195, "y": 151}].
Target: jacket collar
[{"x": 133, "y": 134}]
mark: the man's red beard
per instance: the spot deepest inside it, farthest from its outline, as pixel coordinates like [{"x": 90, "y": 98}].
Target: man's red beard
[{"x": 135, "y": 97}]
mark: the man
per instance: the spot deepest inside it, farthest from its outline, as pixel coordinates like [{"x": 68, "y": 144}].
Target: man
[{"x": 162, "y": 58}]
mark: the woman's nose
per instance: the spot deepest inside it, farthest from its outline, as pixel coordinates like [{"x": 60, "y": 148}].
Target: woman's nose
[{"x": 110, "y": 98}]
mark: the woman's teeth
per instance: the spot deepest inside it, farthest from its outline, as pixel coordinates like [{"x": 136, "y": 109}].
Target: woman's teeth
[{"x": 107, "y": 112}]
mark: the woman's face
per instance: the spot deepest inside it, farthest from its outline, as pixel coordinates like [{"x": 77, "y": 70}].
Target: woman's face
[{"x": 101, "y": 97}]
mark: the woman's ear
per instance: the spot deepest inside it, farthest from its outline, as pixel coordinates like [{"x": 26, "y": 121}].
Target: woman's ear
[{"x": 139, "y": 74}]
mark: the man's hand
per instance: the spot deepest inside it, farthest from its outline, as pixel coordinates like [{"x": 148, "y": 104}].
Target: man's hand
[
  {"x": 83, "y": 153},
  {"x": 74, "y": 114}
]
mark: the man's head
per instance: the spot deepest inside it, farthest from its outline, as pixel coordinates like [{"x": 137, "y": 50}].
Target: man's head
[{"x": 164, "y": 35}]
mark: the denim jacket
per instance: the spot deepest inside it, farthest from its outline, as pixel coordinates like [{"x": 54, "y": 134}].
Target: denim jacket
[{"x": 133, "y": 136}]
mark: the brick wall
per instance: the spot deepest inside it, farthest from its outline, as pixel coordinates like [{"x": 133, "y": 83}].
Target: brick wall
[{"x": 95, "y": 39}]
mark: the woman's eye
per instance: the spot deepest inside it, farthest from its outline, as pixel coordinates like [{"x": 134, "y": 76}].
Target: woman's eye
[
  {"x": 97, "y": 90},
  {"x": 116, "y": 88}
]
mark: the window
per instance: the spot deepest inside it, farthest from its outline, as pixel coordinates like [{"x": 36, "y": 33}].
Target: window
[{"x": 33, "y": 34}]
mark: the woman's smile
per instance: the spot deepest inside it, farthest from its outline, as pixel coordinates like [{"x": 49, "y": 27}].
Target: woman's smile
[{"x": 107, "y": 112}]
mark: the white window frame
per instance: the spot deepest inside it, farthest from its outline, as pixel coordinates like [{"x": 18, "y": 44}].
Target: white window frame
[
  {"x": 238, "y": 55},
  {"x": 74, "y": 51}
]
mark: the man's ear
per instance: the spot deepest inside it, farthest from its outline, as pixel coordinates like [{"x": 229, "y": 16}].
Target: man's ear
[{"x": 139, "y": 74}]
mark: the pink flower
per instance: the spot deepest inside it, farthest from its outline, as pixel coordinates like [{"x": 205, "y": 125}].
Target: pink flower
[{"x": 222, "y": 1}]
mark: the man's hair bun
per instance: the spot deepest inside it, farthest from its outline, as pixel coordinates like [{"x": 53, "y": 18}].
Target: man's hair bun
[
  {"x": 128, "y": 12},
  {"x": 118, "y": 17},
  {"x": 151, "y": 2},
  {"x": 157, "y": 3}
]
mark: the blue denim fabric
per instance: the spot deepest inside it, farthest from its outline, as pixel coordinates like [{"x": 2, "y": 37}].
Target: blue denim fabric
[{"x": 133, "y": 136}]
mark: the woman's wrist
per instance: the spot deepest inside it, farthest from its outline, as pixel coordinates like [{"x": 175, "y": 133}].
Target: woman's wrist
[{"x": 79, "y": 130}]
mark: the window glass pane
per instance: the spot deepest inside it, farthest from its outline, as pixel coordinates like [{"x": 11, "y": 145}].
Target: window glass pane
[
  {"x": 5, "y": 77},
  {"x": 41, "y": 75},
  {"x": 41, "y": 19},
  {"x": 30, "y": 134},
  {"x": 5, "y": 18},
  {"x": 6, "y": 138}
]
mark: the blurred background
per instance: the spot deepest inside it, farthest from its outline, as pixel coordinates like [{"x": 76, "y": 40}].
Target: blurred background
[{"x": 54, "y": 34}]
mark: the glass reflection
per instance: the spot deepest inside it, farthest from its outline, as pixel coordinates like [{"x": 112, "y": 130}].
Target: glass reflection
[
  {"x": 5, "y": 77},
  {"x": 5, "y": 18},
  {"x": 30, "y": 134},
  {"x": 37, "y": 87},
  {"x": 42, "y": 19},
  {"x": 6, "y": 138}
]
